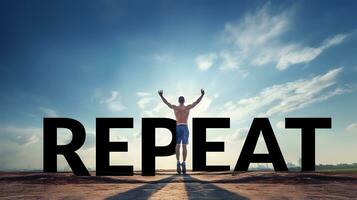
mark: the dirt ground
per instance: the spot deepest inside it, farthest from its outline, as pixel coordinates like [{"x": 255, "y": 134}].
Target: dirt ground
[{"x": 168, "y": 185}]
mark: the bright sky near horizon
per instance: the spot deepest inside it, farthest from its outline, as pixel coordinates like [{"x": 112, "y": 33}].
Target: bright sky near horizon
[{"x": 88, "y": 59}]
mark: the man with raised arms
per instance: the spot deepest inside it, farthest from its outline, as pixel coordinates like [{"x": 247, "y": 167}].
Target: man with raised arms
[{"x": 181, "y": 113}]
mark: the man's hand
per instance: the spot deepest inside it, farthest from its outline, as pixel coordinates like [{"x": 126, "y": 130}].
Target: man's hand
[
  {"x": 202, "y": 92},
  {"x": 161, "y": 92}
]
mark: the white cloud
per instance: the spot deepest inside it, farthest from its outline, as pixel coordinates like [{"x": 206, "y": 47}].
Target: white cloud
[
  {"x": 352, "y": 127},
  {"x": 258, "y": 39},
  {"x": 257, "y": 29},
  {"x": 142, "y": 103},
  {"x": 294, "y": 54},
  {"x": 238, "y": 135},
  {"x": 22, "y": 136},
  {"x": 48, "y": 112},
  {"x": 205, "y": 61},
  {"x": 143, "y": 94},
  {"x": 113, "y": 103},
  {"x": 288, "y": 96},
  {"x": 255, "y": 38},
  {"x": 20, "y": 147},
  {"x": 158, "y": 108},
  {"x": 145, "y": 99},
  {"x": 228, "y": 61},
  {"x": 280, "y": 125}
]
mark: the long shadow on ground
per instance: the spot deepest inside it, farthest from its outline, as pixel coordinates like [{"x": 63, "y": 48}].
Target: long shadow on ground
[
  {"x": 199, "y": 189},
  {"x": 195, "y": 188},
  {"x": 145, "y": 191},
  {"x": 249, "y": 177}
]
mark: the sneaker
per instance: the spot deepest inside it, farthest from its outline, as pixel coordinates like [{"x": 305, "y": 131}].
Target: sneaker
[
  {"x": 184, "y": 168},
  {"x": 178, "y": 168}
]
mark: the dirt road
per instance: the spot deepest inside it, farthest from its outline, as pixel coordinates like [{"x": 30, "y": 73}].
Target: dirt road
[{"x": 250, "y": 185}]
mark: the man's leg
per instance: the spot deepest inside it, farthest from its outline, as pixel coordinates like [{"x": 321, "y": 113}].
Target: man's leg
[
  {"x": 178, "y": 166},
  {"x": 184, "y": 152},
  {"x": 184, "y": 155},
  {"x": 184, "y": 148},
  {"x": 177, "y": 150}
]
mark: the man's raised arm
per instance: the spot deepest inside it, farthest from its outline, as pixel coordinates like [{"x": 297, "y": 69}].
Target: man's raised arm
[
  {"x": 197, "y": 101},
  {"x": 161, "y": 94}
]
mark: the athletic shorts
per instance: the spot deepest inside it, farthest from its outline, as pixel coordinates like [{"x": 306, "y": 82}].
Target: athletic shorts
[{"x": 181, "y": 134}]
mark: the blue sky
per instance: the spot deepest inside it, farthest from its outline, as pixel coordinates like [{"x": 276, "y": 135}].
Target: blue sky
[{"x": 89, "y": 59}]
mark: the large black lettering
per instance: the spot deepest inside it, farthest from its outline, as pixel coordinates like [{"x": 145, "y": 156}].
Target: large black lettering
[
  {"x": 308, "y": 126},
  {"x": 149, "y": 150},
  {"x": 201, "y": 146},
  {"x": 51, "y": 149},
  {"x": 274, "y": 155},
  {"x": 104, "y": 146}
]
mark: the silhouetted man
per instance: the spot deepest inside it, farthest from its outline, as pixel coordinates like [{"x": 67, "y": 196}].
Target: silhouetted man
[{"x": 181, "y": 114}]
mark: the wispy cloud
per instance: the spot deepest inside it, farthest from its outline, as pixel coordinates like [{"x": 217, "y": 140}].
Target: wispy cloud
[
  {"x": 113, "y": 102},
  {"x": 20, "y": 147},
  {"x": 228, "y": 60},
  {"x": 280, "y": 125},
  {"x": 21, "y": 136},
  {"x": 256, "y": 40},
  {"x": 238, "y": 135},
  {"x": 205, "y": 61},
  {"x": 294, "y": 54},
  {"x": 352, "y": 127},
  {"x": 142, "y": 94},
  {"x": 145, "y": 99},
  {"x": 288, "y": 96},
  {"x": 257, "y": 29}
]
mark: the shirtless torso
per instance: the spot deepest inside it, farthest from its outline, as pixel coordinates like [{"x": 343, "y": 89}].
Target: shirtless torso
[{"x": 181, "y": 114}]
